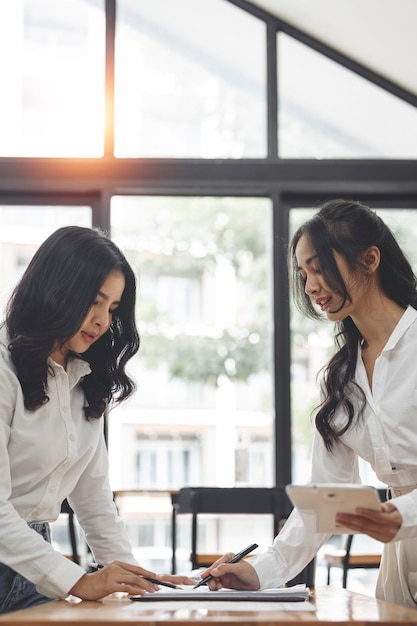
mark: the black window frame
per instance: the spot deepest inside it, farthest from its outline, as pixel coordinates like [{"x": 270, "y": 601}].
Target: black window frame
[{"x": 289, "y": 183}]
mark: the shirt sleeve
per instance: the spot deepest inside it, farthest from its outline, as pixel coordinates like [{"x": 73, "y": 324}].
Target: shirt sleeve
[
  {"x": 407, "y": 506},
  {"x": 297, "y": 543},
  {"x": 21, "y": 547},
  {"x": 93, "y": 504}
]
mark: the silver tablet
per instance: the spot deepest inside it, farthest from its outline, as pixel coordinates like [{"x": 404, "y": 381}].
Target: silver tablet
[{"x": 319, "y": 503}]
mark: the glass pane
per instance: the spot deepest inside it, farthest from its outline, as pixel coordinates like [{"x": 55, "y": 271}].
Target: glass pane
[
  {"x": 52, "y": 100},
  {"x": 187, "y": 82},
  {"x": 327, "y": 111},
  {"x": 203, "y": 411},
  {"x": 22, "y": 230},
  {"x": 312, "y": 344}
]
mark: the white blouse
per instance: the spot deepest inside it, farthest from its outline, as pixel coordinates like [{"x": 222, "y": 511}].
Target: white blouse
[
  {"x": 46, "y": 456},
  {"x": 386, "y": 437}
]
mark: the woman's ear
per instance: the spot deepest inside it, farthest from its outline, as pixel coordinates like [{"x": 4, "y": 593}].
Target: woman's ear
[{"x": 371, "y": 259}]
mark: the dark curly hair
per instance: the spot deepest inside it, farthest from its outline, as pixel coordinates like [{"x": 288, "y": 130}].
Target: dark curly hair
[
  {"x": 348, "y": 228},
  {"x": 49, "y": 305}
]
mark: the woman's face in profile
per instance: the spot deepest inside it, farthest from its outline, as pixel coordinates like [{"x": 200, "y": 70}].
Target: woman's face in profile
[
  {"x": 326, "y": 299},
  {"x": 98, "y": 319}
]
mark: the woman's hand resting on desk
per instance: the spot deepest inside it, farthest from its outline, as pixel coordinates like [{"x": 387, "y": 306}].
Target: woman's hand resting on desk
[
  {"x": 121, "y": 577},
  {"x": 238, "y": 575},
  {"x": 381, "y": 525}
]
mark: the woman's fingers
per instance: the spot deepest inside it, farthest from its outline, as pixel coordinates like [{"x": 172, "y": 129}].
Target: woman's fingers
[
  {"x": 223, "y": 559},
  {"x": 176, "y": 579},
  {"x": 239, "y": 575},
  {"x": 115, "y": 577},
  {"x": 129, "y": 579},
  {"x": 135, "y": 569},
  {"x": 382, "y": 525}
]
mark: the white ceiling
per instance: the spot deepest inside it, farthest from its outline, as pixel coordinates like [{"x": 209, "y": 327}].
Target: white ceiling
[{"x": 380, "y": 34}]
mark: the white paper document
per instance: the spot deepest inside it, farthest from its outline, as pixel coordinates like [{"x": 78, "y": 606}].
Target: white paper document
[{"x": 298, "y": 593}]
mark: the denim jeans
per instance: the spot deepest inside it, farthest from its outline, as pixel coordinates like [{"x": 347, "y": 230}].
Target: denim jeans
[{"x": 16, "y": 592}]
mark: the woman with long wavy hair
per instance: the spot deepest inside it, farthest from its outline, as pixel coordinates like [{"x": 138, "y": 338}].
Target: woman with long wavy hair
[
  {"x": 347, "y": 266},
  {"x": 68, "y": 334}
]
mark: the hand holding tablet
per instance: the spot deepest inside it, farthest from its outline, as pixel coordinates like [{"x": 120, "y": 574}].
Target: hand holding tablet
[{"x": 321, "y": 502}]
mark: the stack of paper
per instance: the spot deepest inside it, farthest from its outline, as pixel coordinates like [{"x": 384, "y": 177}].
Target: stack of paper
[{"x": 298, "y": 593}]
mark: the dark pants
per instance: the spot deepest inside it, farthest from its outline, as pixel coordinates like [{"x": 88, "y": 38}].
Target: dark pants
[{"x": 17, "y": 592}]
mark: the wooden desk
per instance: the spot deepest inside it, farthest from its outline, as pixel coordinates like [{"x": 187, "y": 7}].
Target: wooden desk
[{"x": 335, "y": 606}]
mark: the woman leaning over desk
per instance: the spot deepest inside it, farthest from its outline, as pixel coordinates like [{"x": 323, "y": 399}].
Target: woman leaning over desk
[
  {"x": 347, "y": 264},
  {"x": 68, "y": 333}
]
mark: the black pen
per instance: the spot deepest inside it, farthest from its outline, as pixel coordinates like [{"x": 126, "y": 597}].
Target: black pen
[
  {"x": 163, "y": 583},
  {"x": 234, "y": 559}
]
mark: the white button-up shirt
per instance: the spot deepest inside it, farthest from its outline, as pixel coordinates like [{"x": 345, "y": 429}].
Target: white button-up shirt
[
  {"x": 386, "y": 437},
  {"x": 46, "y": 456}
]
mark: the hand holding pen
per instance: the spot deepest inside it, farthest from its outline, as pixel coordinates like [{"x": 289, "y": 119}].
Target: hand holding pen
[{"x": 234, "y": 559}]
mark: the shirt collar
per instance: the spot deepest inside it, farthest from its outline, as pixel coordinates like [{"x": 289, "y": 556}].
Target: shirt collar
[
  {"x": 407, "y": 319},
  {"x": 75, "y": 370}
]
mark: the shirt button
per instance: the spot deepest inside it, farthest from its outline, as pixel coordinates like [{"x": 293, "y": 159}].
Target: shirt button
[
  {"x": 64, "y": 409},
  {"x": 52, "y": 489},
  {"x": 397, "y": 492},
  {"x": 72, "y": 437}
]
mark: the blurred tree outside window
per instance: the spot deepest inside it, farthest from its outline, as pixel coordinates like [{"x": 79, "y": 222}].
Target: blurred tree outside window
[{"x": 204, "y": 369}]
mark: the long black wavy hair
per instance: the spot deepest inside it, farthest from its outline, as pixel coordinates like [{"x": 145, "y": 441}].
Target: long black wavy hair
[
  {"x": 49, "y": 305},
  {"x": 348, "y": 228}
]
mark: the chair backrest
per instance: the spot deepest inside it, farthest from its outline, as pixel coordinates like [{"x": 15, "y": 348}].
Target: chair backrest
[
  {"x": 231, "y": 500},
  {"x": 65, "y": 508},
  {"x": 382, "y": 494},
  {"x": 235, "y": 500}
]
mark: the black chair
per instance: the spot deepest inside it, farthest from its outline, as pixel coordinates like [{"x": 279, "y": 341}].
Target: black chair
[
  {"x": 232, "y": 500},
  {"x": 66, "y": 509},
  {"x": 346, "y": 560}
]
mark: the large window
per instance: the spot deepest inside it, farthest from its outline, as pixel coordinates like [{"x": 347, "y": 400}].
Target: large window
[
  {"x": 187, "y": 83},
  {"x": 23, "y": 229},
  {"x": 203, "y": 413},
  {"x": 327, "y": 111},
  {"x": 52, "y": 77},
  {"x": 201, "y": 132}
]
